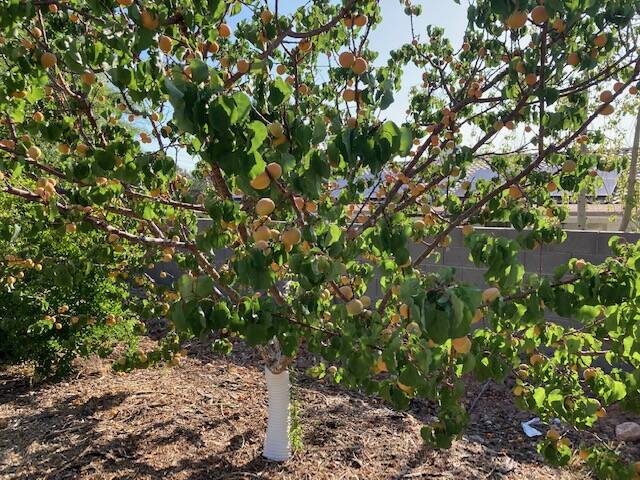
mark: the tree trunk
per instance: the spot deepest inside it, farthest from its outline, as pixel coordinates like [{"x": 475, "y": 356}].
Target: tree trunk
[
  {"x": 582, "y": 210},
  {"x": 633, "y": 179},
  {"x": 276, "y": 444},
  {"x": 582, "y": 199}
]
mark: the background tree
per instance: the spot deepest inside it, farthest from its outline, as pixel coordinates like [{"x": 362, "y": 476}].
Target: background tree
[
  {"x": 65, "y": 293},
  {"x": 630, "y": 195},
  {"x": 317, "y": 193},
  {"x": 49, "y": 316}
]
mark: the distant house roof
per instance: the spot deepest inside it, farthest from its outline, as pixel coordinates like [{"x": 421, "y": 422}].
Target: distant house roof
[{"x": 481, "y": 170}]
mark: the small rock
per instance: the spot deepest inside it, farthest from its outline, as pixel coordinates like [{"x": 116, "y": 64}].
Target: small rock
[
  {"x": 506, "y": 464},
  {"x": 476, "y": 439},
  {"x": 628, "y": 432}
]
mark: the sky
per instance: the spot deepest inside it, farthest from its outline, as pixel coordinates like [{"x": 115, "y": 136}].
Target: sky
[
  {"x": 390, "y": 35},
  {"x": 393, "y": 32}
]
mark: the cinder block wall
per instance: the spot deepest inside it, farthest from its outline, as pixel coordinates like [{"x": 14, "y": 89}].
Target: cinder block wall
[{"x": 591, "y": 245}]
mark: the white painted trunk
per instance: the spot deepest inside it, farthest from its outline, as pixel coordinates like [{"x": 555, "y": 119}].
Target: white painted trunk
[{"x": 276, "y": 442}]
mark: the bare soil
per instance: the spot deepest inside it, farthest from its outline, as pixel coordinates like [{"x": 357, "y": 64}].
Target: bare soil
[{"x": 205, "y": 419}]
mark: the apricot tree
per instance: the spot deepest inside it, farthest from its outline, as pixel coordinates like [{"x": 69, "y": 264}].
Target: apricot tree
[
  {"x": 318, "y": 195},
  {"x": 58, "y": 301}
]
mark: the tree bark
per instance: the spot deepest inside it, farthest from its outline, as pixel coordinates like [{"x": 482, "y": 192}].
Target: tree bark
[{"x": 633, "y": 179}]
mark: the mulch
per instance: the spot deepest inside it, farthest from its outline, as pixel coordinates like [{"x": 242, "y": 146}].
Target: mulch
[{"x": 205, "y": 419}]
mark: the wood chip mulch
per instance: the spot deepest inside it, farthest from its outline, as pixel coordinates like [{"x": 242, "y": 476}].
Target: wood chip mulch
[{"x": 205, "y": 419}]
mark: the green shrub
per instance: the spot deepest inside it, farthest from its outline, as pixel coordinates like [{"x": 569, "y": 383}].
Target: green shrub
[{"x": 68, "y": 303}]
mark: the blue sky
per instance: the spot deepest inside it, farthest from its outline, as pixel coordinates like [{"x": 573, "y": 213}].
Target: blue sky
[{"x": 394, "y": 31}]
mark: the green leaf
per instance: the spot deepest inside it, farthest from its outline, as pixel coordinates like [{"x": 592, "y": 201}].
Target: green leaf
[
  {"x": 406, "y": 141},
  {"x": 409, "y": 289},
  {"x": 105, "y": 159},
  {"x": 122, "y": 77},
  {"x": 436, "y": 323},
  {"x": 204, "y": 286},
  {"x": 243, "y": 106},
  {"x": 185, "y": 287},
  {"x": 199, "y": 71},
  {"x": 73, "y": 60},
  {"x": 259, "y": 135},
  {"x": 177, "y": 316},
  {"x": 333, "y": 235},
  {"x": 539, "y": 395},
  {"x": 220, "y": 113},
  {"x": 16, "y": 233},
  {"x": 216, "y": 9},
  {"x": 279, "y": 91},
  {"x": 319, "y": 130}
]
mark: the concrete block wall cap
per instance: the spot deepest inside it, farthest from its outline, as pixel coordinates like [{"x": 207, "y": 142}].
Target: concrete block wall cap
[{"x": 568, "y": 230}]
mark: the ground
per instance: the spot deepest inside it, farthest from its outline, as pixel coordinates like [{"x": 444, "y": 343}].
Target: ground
[{"x": 205, "y": 419}]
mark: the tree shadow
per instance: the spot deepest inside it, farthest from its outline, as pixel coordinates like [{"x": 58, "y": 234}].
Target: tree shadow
[
  {"x": 63, "y": 461},
  {"x": 178, "y": 446},
  {"x": 73, "y": 437},
  {"x": 24, "y": 433}
]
